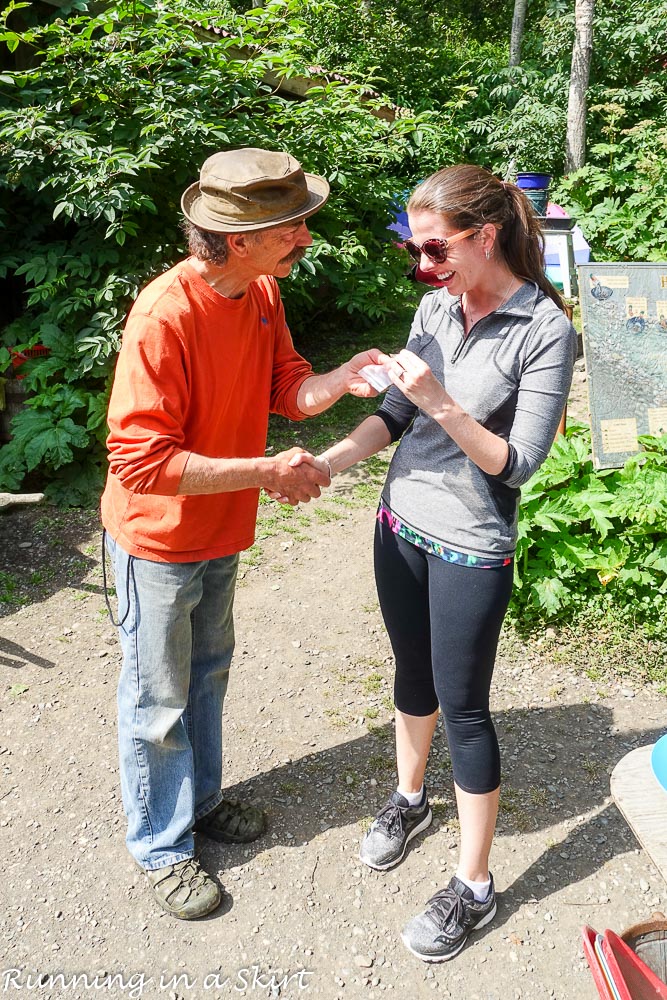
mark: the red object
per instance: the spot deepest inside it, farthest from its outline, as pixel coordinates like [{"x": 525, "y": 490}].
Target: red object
[
  {"x": 427, "y": 278},
  {"x": 618, "y": 973},
  {"x": 641, "y": 981},
  {"x": 20, "y": 357},
  {"x": 599, "y": 978}
]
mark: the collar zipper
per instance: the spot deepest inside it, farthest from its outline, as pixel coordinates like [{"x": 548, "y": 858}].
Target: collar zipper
[{"x": 463, "y": 341}]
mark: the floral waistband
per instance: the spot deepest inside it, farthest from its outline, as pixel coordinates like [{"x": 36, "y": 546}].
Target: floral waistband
[{"x": 386, "y": 516}]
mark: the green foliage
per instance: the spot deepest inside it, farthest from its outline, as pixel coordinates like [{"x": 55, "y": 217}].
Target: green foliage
[
  {"x": 419, "y": 55},
  {"x": 110, "y": 114},
  {"x": 99, "y": 137},
  {"x": 525, "y": 105},
  {"x": 619, "y": 197},
  {"x": 594, "y": 539}
]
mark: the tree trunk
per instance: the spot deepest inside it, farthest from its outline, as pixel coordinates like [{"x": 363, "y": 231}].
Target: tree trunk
[
  {"x": 575, "y": 143},
  {"x": 516, "y": 37}
]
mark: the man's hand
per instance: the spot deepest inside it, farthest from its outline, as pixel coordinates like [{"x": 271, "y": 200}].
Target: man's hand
[
  {"x": 318, "y": 392},
  {"x": 356, "y": 384},
  {"x": 294, "y": 477}
]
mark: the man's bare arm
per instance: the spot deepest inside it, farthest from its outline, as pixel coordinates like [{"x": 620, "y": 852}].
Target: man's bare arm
[
  {"x": 225, "y": 475},
  {"x": 319, "y": 392}
]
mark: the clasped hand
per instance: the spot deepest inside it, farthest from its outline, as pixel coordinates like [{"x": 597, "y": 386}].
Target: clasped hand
[{"x": 296, "y": 477}]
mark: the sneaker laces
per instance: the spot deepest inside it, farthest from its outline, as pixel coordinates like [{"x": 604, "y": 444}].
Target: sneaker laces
[
  {"x": 390, "y": 819},
  {"x": 445, "y": 905}
]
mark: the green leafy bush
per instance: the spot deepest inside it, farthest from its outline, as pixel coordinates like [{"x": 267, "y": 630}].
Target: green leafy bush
[
  {"x": 619, "y": 196},
  {"x": 592, "y": 538},
  {"x": 418, "y": 54},
  {"x": 99, "y": 137}
]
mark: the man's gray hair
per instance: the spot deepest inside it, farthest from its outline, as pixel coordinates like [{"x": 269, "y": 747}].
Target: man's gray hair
[{"x": 205, "y": 245}]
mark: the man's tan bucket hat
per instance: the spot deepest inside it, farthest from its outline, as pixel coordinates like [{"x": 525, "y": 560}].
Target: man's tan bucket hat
[{"x": 240, "y": 190}]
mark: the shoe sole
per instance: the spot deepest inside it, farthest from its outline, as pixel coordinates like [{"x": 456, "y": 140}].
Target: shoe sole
[
  {"x": 452, "y": 954},
  {"x": 183, "y": 914},
  {"x": 426, "y": 822}
]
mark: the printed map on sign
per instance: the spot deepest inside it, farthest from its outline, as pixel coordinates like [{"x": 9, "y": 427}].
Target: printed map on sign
[{"x": 624, "y": 314}]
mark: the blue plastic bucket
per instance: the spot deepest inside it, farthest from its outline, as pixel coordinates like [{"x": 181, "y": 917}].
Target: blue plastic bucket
[
  {"x": 529, "y": 180},
  {"x": 659, "y": 761}
]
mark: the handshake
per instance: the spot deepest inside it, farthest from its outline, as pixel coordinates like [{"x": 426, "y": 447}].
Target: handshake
[{"x": 296, "y": 476}]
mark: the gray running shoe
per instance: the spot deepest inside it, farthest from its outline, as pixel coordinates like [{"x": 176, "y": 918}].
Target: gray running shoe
[
  {"x": 394, "y": 826},
  {"x": 440, "y": 932}
]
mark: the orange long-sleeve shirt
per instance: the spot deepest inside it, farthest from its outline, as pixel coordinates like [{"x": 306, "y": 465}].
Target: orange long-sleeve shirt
[{"x": 199, "y": 373}]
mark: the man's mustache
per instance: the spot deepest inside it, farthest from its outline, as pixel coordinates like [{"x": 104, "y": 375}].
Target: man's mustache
[{"x": 296, "y": 255}]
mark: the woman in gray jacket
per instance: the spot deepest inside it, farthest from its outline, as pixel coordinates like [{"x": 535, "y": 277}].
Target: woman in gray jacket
[{"x": 475, "y": 402}]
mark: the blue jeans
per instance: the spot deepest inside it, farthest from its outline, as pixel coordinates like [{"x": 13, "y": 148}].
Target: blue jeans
[{"x": 177, "y": 636}]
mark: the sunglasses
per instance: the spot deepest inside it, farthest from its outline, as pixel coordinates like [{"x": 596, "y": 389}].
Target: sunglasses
[{"x": 435, "y": 249}]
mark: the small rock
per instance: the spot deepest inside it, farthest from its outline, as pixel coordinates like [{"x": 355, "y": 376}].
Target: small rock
[{"x": 363, "y": 961}]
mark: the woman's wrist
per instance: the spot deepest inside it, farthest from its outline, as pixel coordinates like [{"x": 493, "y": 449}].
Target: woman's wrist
[
  {"x": 447, "y": 412},
  {"x": 327, "y": 463}
]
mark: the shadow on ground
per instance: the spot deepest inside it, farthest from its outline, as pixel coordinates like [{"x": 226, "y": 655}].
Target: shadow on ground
[
  {"x": 13, "y": 655},
  {"x": 40, "y": 554},
  {"x": 557, "y": 763}
]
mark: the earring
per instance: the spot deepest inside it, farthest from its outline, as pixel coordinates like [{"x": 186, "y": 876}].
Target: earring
[{"x": 487, "y": 254}]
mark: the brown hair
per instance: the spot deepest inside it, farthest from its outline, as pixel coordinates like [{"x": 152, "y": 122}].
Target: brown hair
[{"x": 471, "y": 197}]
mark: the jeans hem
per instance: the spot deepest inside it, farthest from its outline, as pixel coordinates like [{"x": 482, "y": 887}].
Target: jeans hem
[
  {"x": 169, "y": 859},
  {"x": 211, "y": 803}
]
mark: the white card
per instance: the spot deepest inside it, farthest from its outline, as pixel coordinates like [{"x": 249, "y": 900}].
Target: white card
[{"x": 376, "y": 375}]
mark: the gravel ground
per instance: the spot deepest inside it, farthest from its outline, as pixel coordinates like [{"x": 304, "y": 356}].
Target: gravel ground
[{"x": 309, "y": 736}]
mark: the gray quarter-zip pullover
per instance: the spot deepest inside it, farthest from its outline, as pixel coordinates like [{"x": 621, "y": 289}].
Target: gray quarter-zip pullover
[{"x": 512, "y": 373}]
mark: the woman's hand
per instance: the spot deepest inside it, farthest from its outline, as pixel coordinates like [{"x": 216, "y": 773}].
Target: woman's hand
[
  {"x": 298, "y": 458},
  {"x": 296, "y": 477},
  {"x": 417, "y": 382}
]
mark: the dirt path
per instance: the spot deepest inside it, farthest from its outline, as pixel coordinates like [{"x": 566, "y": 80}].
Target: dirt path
[{"x": 309, "y": 736}]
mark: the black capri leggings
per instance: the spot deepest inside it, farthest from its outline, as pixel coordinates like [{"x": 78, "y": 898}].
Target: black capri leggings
[{"x": 444, "y": 621}]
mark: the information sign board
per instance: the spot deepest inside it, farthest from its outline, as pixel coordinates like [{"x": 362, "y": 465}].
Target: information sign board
[{"x": 624, "y": 316}]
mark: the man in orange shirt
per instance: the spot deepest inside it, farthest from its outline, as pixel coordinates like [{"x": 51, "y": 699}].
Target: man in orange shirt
[{"x": 206, "y": 356}]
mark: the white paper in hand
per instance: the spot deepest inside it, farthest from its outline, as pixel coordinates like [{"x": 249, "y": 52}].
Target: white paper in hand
[{"x": 376, "y": 375}]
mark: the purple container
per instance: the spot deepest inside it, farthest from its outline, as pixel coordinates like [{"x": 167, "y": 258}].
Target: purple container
[{"x": 537, "y": 181}]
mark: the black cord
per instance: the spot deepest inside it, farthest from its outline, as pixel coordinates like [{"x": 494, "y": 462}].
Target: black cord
[{"x": 106, "y": 588}]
